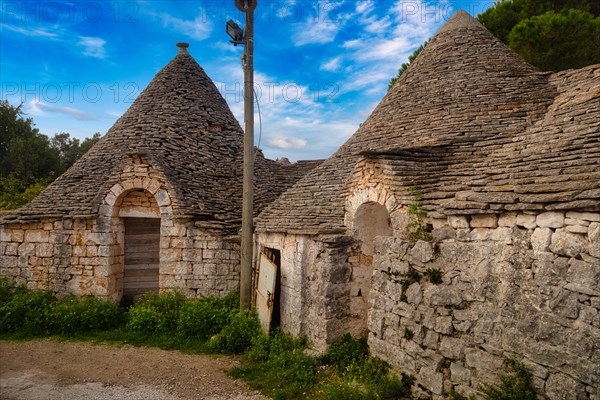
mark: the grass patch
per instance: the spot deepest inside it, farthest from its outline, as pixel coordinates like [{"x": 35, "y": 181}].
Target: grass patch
[{"x": 278, "y": 366}]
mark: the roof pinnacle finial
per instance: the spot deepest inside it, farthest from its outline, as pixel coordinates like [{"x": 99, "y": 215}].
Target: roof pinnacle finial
[{"x": 182, "y": 46}]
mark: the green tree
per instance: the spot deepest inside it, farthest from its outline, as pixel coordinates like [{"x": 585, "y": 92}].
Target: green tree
[
  {"x": 552, "y": 35},
  {"x": 71, "y": 149},
  {"x": 405, "y": 66},
  {"x": 29, "y": 160},
  {"x": 558, "y": 41},
  {"x": 24, "y": 151}
]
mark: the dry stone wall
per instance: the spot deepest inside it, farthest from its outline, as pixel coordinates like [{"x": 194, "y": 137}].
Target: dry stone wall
[
  {"x": 523, "y": 285},
  {"x": 315, "y": 289},
  {"x": 63, "y": 255},
  {"x": 74, "y": 256}
]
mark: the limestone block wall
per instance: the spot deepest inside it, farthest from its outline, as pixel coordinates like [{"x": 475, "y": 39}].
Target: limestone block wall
[
  {"x": 65, "y": 256},
  {"x": 86, "y": 255},
  {"x": 522, "y": 285},
  {"x": 196, "y": 261},
  {"x": 73, "y": 256},
  {"x": 315, "y": 284}
]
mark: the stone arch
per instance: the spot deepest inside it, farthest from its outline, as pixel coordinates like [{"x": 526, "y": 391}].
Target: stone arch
[
  {"x": 371, "y": 219},
  {"x": 133, "y": 198},
  {"x": 359, "y": 196}
]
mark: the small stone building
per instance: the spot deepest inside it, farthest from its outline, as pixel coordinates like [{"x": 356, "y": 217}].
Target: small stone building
[
  {"x": 508, "y": 161},
  {"x": 155, "y": 204}
]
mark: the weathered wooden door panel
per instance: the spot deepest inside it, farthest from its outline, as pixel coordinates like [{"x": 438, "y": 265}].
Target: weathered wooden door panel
[
  {"x": 265, "y": 297},
  {"x": 142, "y": 247}
]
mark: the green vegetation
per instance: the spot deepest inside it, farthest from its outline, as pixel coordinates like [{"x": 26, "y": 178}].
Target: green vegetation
[
  {"x": 29, "y": 160},
  {"x": 277, "y": 364},
  {"x": 433, "y": 275},
  {"x": 416, "y": 229},
  {"x": 515, "y": 383},
  {"x": 551, "y": 35},
  {"x": 405, "y": 66}
]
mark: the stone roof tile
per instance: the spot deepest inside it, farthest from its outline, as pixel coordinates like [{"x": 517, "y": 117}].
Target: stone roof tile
[
  {"x": 184, "y": 128},
  {"x": 467, "y": 116}
]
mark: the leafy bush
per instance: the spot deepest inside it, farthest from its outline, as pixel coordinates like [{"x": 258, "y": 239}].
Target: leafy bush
[
  {"x": 7, "y": 290},
  {"x": 278, "y": 365},
  {"x": 156, "y": 313},
  {"x": 371, "y": 377},
  {"x": 26, "y": 313},
  {"x": 204, "y": 318},
  {"x": 87, "y": 314},
  {"x": 237, "y": 336},
  {"x": 515, "y": 383},
  {"x": 346, "y": 352}
]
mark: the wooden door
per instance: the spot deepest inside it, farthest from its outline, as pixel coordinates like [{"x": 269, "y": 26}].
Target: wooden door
[
  {"x": 265, "y": 297},
  {"x": 142, "y": 247}
]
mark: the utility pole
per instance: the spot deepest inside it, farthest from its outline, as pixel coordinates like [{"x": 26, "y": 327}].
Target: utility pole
[{"x": 248, "y": 6}]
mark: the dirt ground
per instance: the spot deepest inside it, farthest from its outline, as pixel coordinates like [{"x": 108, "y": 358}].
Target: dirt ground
[{"x": 52, "y": 370}]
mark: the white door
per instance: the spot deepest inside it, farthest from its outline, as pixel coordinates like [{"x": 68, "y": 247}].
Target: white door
[{"x": 267, "y": 275}]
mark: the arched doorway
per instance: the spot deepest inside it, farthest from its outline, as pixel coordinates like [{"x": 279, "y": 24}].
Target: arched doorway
[
  {"x": 140, "y": 214},
  {"x": 370, "y": 220}
]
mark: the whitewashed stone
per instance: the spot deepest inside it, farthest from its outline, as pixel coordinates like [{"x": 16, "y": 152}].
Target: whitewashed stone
[
  {"x": 527, "y": 221},
  {"x": 584, "y": 274},
  {"x": 162, "y": 197},
  {"x": 551, "y": 219},
  {"x": 459, "y": 374},
  {"x": 484, "y": 221},
  {"x": 501, "y": 234},
  {"x": 576, "y": 229},
  {"x": 438, "y": 223},
  {"x": 422, "y": 252},
  {"x": 508, "y": 219},
  {"x": 453, "y": 348},
  {"x": 5, "y": 234},
  {"x": 572, "y": 221},
  {"x": 588, "y": 216},
  {"x": 567, "y": 244},
  {"x": 541, "y": 239},
  {"x": 479, "y": 359},
  {"x": 414, "y": 294},
  {"x": 432, "y": 380},
  {"x": 480, "y": 234},
  {"x": 458, "y": 221},
  {"x": 36, "y": 236},
  {"x": 562, "y": 387},
  {"x": 593, "y": 235}
]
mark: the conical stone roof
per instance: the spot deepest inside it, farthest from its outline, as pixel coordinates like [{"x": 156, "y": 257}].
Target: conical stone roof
[
  {"x": 465, "y": 86},
  {"x": 185, "y": 130}
]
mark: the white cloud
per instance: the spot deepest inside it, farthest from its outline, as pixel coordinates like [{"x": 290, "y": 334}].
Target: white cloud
[
  {"x": 332, "y": 65},
  {"x": 37, "y": 32},
  {"x": 199, "y": 28},
  {"x": 283, "y": 141},
  {"x": 41, "y": 108},
  {"x": 322, "y": 26},
  {"x": 315, "y": 32},
  {"x": 93, "y": 46}
]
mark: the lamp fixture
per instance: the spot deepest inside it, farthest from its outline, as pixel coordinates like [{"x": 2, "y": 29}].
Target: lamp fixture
[{"x": 235, "y": 33}]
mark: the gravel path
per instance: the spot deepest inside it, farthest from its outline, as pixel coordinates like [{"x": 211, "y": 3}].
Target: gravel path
[{"x": 53, "y": 370}]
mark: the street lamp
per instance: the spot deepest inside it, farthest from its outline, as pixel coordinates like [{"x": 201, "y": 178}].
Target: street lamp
[
  {"x": 235, "y": 33},
  {"x": 247, "y": 39}
]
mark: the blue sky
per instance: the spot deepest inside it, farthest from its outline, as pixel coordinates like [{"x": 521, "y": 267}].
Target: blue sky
[{"x": 321, "y": 66}]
